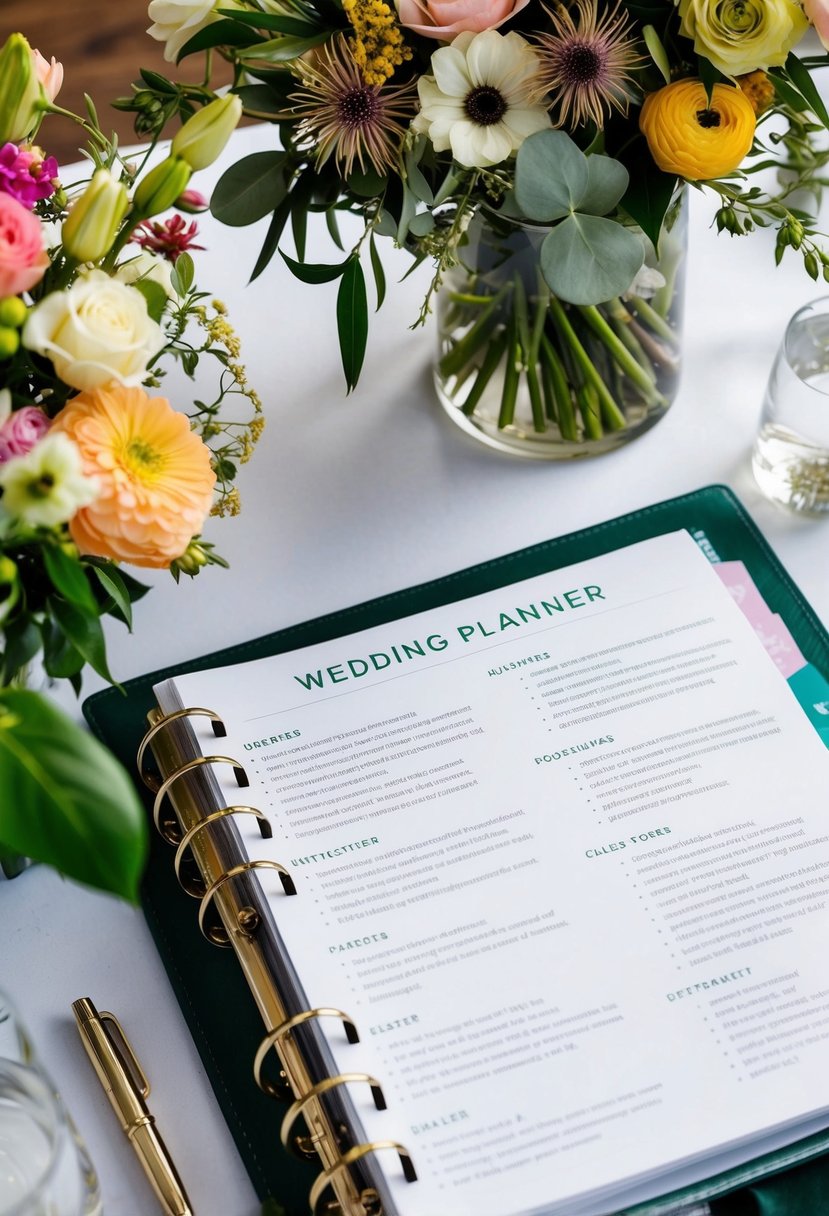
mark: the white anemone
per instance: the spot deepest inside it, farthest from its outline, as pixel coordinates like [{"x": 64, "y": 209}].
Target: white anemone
[{"x": 480, "y": 101}]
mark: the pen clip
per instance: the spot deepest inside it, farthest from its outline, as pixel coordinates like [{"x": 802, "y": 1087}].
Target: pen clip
[{"x": 122, "y": 1045}]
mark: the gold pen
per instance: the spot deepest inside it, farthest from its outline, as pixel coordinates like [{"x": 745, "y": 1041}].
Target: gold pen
[{"x": 127, "y": 1088}]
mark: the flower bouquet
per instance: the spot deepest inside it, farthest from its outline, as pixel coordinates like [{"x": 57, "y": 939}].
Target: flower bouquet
[
  {"x": 533, "y": 152},
  {"x": 97, "y": 470}
]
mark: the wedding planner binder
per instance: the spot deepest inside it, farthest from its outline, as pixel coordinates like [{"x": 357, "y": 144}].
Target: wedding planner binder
[{"x": 269, "y": 1065}]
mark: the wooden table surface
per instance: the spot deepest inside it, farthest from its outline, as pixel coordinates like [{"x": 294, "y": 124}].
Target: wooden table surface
[{"x": 101, "y": 45}]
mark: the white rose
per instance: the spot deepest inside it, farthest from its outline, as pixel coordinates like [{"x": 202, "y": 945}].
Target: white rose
[
  {"x": 176, "y": 22},
  {"x": 146, "y": 267},
  {"x": 96, "y": 332}
]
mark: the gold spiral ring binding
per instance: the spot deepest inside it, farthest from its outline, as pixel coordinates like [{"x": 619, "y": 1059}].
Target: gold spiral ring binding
[
  {"x": 198, "y": 888},
  {"x": 217, "y": 934},
  {"x": 170, "y": 830},
  {"x": 349, "y": 1158},
  {"x": 322, "y": 1087},
  {"x": 219, "y": 730},
  {"x": 284, "y": 1028}
]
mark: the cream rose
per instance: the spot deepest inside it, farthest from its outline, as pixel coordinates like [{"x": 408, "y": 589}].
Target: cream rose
[
  {"x": 177, "y": 21},
  {"x": 738, "y": 36},
  {"x": 444, "y": 19},
  {"x": 96, "y": 332}
]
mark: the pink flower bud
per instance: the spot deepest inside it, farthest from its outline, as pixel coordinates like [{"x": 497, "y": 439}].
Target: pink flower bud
[
  {"x": 21, "y": 431},
  {"x": 192, "y": 201},
  {"x": 50, "y": 74}
]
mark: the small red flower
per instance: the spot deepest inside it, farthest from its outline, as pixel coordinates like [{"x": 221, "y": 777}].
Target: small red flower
[{"x": 169, "y": 239}]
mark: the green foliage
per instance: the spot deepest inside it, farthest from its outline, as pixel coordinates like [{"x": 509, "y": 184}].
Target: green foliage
[
  {"x": 250, "y": 189},
  {"x": 352, "y": 321},
  {"x": 66, "y": 800}
]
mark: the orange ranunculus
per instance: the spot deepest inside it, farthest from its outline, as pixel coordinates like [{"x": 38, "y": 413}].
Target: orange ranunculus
[
  {"x": 694, "y": 138},
  {"x": 155, "y": 478}
]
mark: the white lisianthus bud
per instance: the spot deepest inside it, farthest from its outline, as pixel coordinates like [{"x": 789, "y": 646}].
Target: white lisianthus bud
[
  {"x": 47, "y": 486},
  {"x": 22, "y": 99},
  {"x": 201, "y": 140},
  {"x": 90, "y": 227}
]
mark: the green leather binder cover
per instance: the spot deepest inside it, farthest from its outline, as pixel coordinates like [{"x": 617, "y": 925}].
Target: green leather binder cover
[{"x": 209, "y": 985}]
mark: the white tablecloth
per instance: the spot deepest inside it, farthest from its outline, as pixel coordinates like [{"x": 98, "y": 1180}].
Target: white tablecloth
[{"x": 346, "y": 499}]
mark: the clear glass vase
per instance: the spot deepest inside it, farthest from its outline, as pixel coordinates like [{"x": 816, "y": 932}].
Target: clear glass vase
[{"x": 528, "y": 374}]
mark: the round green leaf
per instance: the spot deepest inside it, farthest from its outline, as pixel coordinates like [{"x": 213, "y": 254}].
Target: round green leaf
[
  {"x": 607, "y": 181},
  {"x": 66, "y": 800},
  {"x": 551, "y": 176},
  {"x": 586, "y": 259},
  {"x": 250, "y": 189}
]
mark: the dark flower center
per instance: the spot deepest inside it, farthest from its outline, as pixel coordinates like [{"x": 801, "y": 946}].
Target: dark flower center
[
  {"x": 581, "y": 63},
  {"x": 708, "y": 118},
  {"x": 357, "y": 107},
  {"x": 485, "y": 105}
]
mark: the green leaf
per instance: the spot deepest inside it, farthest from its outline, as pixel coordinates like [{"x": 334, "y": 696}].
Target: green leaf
[
  {"x": 802, "y": 79},
  {"x": 788, "y": 93},
  {"x": 334, "y": 228},
  {"x": 283, "y": 50},
  {"x": 366, "y": 183},
  {"x": 260, "y": 100},
  {"x": 315, "y": 272},
  {"x": 250, "y": 189},
  {"x": 67, "y": 802},
  {"x": 112, "y": 583},
  {"x": 649, "y": 192},
  {"x": 299, "y": 228},
  {"x": 407, "y": 214},
  {"x": 275, "y": 229},
  {"x": 84, "y": 632},
  {"x": 657, "y": 52},
  {"x": 68, "y": 578},
  {"x": 422, "y": 224},
  {"x": 60, "y": 658},
  {"x": 378, "y": 272},
  {"x": 154, "y": 80},
  {"x": 217, "y": 33},
  {"x": 268, "y": 21},
  {"x": 551, "y": 176},
  {"x": 586, "y": 259},
  {"x": 352, "y": 321},
  {"x": 183, "y": 274},
  {"x": 709, "y": 75},
  {"x": 23, "y": 641},
  {"x": 155, "y": 297},
  {"x": 607, "y": 180}
]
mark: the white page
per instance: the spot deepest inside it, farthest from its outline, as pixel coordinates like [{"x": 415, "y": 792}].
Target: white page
[{"x": 566, "y": 870}]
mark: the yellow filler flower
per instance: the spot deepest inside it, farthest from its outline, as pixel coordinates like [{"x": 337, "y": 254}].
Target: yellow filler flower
[{"x": 696, "y": 138}]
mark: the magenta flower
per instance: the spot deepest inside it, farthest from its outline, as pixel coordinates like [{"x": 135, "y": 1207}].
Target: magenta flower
[
  {"x": 26, "y": 174},
  {"x": 21, "y": 431},
  {"x": 169, "y": 239}
]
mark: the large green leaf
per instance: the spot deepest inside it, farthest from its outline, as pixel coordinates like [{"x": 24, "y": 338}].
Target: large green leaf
[
  {"x": 801, "y": 77},
  {"x": 283, "y": 50},
  {"x": 551, "y": 176},
  {"x": 66, "y": 801},
  {"x": 607, "y": 180},
  {"x": 649, "y": 191},
  {"x": 352, "y": 321},
  {"x": 83, "y": 629},
  {"x": 316, "y": 272},
  {"x": 68, "y": 577},
  {"x": 217, "y": 33},
  {"x": 250, "y": 189},
  {"x": 586, "y": 259}
]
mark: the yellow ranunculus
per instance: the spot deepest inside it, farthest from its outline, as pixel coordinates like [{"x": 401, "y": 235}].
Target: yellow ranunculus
[
  {"x": 738, "y": 36},
  {"x": 694, "y": 138}
]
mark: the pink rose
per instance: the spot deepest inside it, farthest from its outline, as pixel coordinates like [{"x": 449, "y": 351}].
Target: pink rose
[
  {"x": 23, "y": 260},
  {"x": 444, "y": 19},
  {"x": 21, "y": 431},
  {"x": 49, "y": 74}
]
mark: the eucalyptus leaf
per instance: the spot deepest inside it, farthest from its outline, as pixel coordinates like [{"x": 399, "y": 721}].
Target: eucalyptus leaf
[
  {"x": 607, "y": 181},
  {"x": 352, "y": 321},
  {"x": 386, "y": 225},
  {"x": 66, "y": 800},
  {"x": 551, "y": 176},
  {"x": 250, "y": 189},
  {"x": 587, "y": 259},
  {"x": 422, "y": 224}
]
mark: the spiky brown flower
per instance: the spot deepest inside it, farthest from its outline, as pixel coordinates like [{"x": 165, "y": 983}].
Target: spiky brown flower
[
  {"x": 341, "y": 115},
  {"x": 586, "y": 62}
]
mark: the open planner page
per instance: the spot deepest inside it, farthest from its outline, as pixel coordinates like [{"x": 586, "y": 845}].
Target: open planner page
[{"x": 561, "y": 852}]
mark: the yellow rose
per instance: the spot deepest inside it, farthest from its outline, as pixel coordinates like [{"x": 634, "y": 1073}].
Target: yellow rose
[
  {"x": 738, "y": 36},
  {"x": 694, "y": 138}
]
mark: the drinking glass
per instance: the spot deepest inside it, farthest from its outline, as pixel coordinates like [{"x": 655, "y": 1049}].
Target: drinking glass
[
  {"x": 791, "y": 452},
  {"x": 44, "y": 1167}
]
